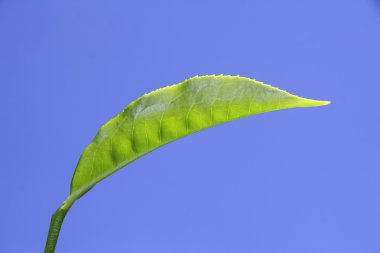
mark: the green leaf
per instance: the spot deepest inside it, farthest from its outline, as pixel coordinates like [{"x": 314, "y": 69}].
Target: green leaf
[{"x": 168, "y": 114}]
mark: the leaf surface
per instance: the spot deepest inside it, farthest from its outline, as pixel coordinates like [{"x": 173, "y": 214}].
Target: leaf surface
[{"x": 170, "y": 113}]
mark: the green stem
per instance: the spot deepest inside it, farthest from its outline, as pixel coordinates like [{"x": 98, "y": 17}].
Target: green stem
[{"x": 56, "y": 223}]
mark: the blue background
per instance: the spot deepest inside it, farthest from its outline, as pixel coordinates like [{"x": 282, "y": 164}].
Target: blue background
[{"x": 296, "y": 181}]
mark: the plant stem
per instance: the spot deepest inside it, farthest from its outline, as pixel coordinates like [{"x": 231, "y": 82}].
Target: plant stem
[{"x": 56, "y": 223}]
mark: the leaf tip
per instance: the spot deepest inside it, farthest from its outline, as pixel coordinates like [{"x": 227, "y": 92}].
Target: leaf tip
[{"x": 314, "y": 103}]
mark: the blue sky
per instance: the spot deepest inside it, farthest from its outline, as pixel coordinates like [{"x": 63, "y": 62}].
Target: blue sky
[{"x": 303, "y": 180}]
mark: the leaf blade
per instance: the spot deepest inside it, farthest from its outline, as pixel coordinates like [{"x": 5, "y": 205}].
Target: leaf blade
[{"x": 173, "y": 112}]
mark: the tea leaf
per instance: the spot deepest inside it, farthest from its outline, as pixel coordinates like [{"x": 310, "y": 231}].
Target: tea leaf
[
  {"x": 170, "y": 113},
  {"x": 166, "y": 115}
]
